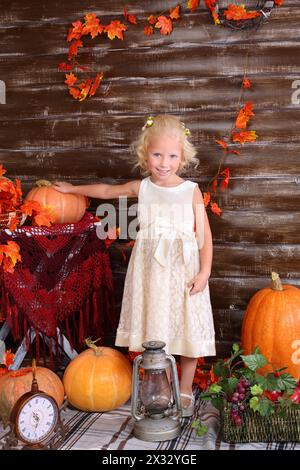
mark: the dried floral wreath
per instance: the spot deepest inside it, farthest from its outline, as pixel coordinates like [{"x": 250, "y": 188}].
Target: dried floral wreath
[{"x": 238, "y": 17}]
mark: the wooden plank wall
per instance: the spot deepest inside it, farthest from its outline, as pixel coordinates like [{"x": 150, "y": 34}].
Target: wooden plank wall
[{"x": 195, "y": 73}]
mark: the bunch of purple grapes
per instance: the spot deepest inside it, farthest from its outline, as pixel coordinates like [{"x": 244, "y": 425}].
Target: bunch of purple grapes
[{"x": 238, "y": 401}]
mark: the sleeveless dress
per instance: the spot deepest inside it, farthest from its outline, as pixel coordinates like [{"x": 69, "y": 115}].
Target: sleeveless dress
[{"x": 156, "y": 304}]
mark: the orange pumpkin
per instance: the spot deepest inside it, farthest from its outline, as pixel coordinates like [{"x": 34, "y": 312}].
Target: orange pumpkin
[
  {"x": 98, "y": 379},
  {"x": 69, "y": 208},
  {"x": 272, "y": 322},
  {"x": 15, "y": 383}
]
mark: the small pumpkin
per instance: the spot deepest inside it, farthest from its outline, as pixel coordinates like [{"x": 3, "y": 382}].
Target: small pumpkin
[
  {"x": 69, "y": 208},
  {"x": 98, "y": 379},
  {"x": 15, "y": 383},
  {"x": 272, "y": 322}
]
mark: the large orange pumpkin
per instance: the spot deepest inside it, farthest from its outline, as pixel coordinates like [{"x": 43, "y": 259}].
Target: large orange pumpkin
[
  {"x": 69, "y": 208},
  {"x": 98, "y": 379},
  {"x": 15, "y": 383},
  {"x": 272, "y": 322}
]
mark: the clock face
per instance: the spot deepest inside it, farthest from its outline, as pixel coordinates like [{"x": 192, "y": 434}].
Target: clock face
[{"x": 37, "y": 418}]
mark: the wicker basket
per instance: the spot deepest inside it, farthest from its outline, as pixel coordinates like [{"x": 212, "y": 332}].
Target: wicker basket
[
  {"x": 257, "y": 428},
  {"x": 6, "y": 218}
]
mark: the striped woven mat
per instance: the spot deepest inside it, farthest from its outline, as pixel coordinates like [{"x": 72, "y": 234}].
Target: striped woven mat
[{"x": 113, "y": 431}]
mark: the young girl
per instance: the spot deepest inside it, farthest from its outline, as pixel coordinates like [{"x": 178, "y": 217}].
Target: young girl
[{"x": 166, "y": 293}]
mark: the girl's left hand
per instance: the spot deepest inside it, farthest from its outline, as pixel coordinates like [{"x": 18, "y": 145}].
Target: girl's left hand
[{"x": 198, "y": 283}]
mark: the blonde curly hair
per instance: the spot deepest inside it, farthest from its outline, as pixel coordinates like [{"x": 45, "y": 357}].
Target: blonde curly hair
[{"x": 158, "y": 125}]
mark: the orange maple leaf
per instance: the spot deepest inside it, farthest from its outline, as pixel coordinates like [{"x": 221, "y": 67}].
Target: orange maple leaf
[
  {"x": 96, "y": 84},
  {"x": 10, "y": 254},
  {"x": 206, "y": 198},
  {"x": 92, "y": 25},
  {"x": 115, "y": 29},
  {"x": 2, "y": 170},
  {"x": 239, "y": 12},
  {"x": 175, "y": 13},
  {"x": 129, "y": 17},
  {"x": 244, "y": 136},
  {"x": 8, "y": 358},
  {"x": 279, "y": 2},
  {"x": 29, "y": 206},
  {"x": 223, "y": 144},
  {"x": 148, "y": 30},
  {"x": 192, "y": 5},
  {"x": 215, "y": 208},
  {"x": 14, "y": 222},
  {"x": 70, "y": 79},
  {"x": 164, "y": 24},
  {"x": 45, "y": 216},
  {"x": 85, "y": 88},
  {"x": 246, "y": 83},
  {"x": 73, "y": 49},
  {"x": 244, "y": 116}
]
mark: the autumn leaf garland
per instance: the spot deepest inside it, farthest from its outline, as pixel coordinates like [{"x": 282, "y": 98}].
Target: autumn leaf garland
[{"x": 238, "y": 135}]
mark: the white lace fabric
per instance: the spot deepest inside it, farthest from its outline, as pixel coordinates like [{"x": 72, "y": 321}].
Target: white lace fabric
[{"x": 156, "y": 303}]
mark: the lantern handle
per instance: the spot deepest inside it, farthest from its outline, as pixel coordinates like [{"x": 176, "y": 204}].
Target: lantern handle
[
  {"x": 175, "y": 386},
  {"x": 135, "y": 388}
]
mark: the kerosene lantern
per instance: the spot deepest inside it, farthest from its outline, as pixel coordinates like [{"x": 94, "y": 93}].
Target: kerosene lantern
[{"x": 155, "y": 403}]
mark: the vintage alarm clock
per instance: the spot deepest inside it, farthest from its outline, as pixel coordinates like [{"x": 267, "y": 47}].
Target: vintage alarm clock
[{"x": 35, "y": 420}]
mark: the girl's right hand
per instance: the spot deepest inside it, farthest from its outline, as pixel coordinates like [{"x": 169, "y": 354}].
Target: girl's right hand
[{"x": 63, "y": 187}]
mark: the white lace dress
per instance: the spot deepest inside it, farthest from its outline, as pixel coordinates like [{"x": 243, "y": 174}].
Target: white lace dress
[{"x": 156, "y": 303}]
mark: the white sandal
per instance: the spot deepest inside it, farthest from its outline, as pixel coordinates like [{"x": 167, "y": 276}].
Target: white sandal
[{"x": 188, "y": 410}]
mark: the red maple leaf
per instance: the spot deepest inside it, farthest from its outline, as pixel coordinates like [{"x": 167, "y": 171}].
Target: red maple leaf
[
  {"x": 75, "y": 32},
  {"x": 73, "y": 49},
  {"x": 70, "y": 79},
  {"x": 64, "y": 67},
  {"x": 223, "y": 144},
  {"x": 164, "y": 24},
  {"x": 2, "y": 170},
  {"x": 236, "y": 152},
  {"x": 75, "y": 92},
  {"x": 148, "y": 30},
  {"x": 225, "y": 181},
  {"x": 279, "y": 2},
  {"x": 8, "y": 358},
  {"x": 129, "y": 17},
  {"x": 214, "y": 185},
  {"x": 95, "y": 84},
  {"x": 246, "y": 83},
  {"x": 192, "y": 5},
  {"x": 115, "y": 29},
  {"x": 206, "y": 198}
]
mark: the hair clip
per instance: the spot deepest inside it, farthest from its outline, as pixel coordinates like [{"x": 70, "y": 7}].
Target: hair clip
[
  {"x": 186, "y": 130},
  {"x": 149, "y": 123}
]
